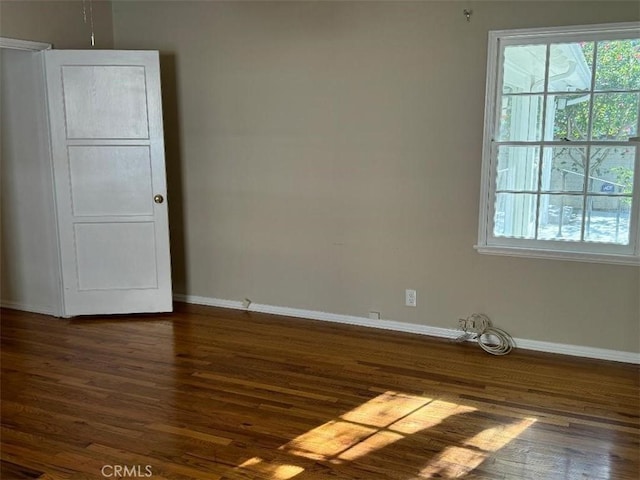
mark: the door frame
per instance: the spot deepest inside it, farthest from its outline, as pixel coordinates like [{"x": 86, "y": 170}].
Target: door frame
[{"x": 29, "y": 46}]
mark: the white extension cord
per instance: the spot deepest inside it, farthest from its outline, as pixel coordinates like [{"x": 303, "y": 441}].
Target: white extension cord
[{"x": 477, "y": 326}]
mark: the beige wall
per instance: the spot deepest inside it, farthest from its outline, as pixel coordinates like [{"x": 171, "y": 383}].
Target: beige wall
[
  {"x": 326, "y": 156},
  {"x": 58, "y": 22}
]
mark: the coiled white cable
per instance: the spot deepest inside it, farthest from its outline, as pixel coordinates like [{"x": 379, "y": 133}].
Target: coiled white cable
[{"x": 478, "y": 326}]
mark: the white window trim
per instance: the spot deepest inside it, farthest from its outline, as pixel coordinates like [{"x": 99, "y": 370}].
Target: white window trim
[{"x": 572, "y": 251}]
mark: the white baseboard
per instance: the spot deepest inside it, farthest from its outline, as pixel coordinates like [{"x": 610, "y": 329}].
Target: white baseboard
[
  {"x": 27, "y": 308},
  {"x": 549, "y": 347}
]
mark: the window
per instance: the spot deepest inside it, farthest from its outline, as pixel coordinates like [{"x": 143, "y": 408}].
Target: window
[{"x": 561, "y": 158}]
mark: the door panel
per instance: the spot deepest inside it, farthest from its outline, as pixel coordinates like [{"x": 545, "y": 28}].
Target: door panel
[
  {"x": 112, "y": 96},
  {"x": 94, "y": 191},
  {"x": 108, "y": 164},
  {"x": 116, "y": 256}
]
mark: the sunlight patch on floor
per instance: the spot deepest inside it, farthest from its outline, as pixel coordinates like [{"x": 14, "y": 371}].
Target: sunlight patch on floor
[
  {"x": 274, "y": 471},
  {"x": 329, "y": 440},
  {"x": 372, "y": 426},
  {"x": 383, "y": 421},
  {"x": 457, "y": 461}
]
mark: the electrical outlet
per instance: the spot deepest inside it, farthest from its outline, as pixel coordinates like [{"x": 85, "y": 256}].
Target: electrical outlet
[
  {"x": 410, "y": 298},
  {"x": 374, "y": 315}
]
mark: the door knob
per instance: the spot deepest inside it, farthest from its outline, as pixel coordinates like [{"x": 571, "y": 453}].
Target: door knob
[{"x": 158, "y": 198}]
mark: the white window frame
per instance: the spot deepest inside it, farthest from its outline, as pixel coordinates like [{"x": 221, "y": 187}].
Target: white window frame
[{"x": 569, "y": 250}]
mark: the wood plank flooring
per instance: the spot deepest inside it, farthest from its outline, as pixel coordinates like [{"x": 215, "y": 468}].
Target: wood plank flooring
[{"x": 208, "y": 393}]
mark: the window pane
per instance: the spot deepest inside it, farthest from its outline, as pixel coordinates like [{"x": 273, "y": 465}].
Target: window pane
[
  {"x": 618, "y": 65},
  {"x": 615, "y": 116},
  {"x": 563, "y": 169},
  {"x": 523, "y": 69},
  {"x": 517, "y": 168},
  {"x": 570, "y": 67},
  {"x": 515, "y": 215},
  {"x": 560, "y": 217},
  {"x": 521, "y": 118},
  {"x": 611, "y": 169},
  {"x": 567, "y": 117},
  {"x": 607, "y": 219}
]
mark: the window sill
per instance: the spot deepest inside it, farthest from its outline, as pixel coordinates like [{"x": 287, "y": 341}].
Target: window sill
[{"x": 632, "y": 260}]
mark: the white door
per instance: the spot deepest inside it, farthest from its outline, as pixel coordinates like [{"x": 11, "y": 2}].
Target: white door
[{"x": 109, "y": 174}]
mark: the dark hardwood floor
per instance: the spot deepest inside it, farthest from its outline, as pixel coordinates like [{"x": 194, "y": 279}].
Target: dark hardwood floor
[{"x": 208, "y": 393}]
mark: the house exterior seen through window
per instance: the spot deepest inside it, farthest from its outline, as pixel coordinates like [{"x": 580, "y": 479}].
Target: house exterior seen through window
[{"x": 561, "y": 152}]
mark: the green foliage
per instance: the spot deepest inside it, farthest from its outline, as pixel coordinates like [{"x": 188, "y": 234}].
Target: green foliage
[
  {"x": 624, "y": 176},
  {"x": 615, "y": 115},
  {"x": 618, "y": 65}
]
